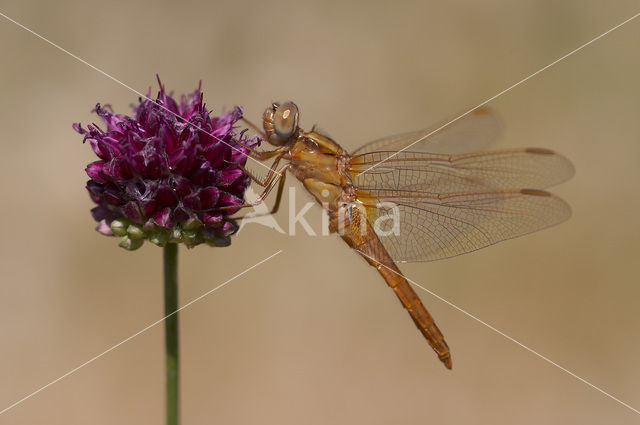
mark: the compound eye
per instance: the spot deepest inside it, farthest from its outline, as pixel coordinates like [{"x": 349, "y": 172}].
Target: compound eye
[{"x": 285, "y": 120}]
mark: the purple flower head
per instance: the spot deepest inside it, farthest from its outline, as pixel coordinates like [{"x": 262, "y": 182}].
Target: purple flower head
[{"x": 166, "y": 173}]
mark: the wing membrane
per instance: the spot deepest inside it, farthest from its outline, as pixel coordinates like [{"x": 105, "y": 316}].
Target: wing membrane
[
  {"x": 434, "y": 200},
  {"x": 476, "y": 130},
  {"x": 440, "y": 173},
  {"x": 433, "y": 226}
]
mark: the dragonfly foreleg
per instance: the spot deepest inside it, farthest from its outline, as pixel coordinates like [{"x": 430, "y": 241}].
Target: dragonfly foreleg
[
  {"x": 276, "y": 205},
  {"x": 269, "y": 176},
  {"x": 255, "y": 128},
  {"x": 261, "y": 155},
  {"x": 278, "y": 177}
]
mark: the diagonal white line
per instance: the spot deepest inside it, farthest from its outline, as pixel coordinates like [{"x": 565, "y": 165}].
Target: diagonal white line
[
  {"x": 136, "y": 334},
  {"x": 112, "y": 78},
  {"x": 504, "y": 91},
  {"x": 499, "y": 332}
]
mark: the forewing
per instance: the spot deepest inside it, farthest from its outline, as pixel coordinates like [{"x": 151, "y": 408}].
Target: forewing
[
  {"x": 419, "y": 226},
  {"x": 427, "y": 172},
  {"x": 476, "y": 130}
]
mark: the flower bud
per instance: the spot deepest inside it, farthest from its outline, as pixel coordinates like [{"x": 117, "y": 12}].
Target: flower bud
[
  {"x": 135, "y": 232},
  {"x": 131, "y": 244},
  {"x": 119, "y": 227}
]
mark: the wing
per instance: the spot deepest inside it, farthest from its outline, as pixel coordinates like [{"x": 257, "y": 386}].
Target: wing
[
  {"x": 504, "y": 169},
  {"x": 476, "y": 130},
  {"x": 426, "y": 207},
  {"x": 421, "y": 226}
]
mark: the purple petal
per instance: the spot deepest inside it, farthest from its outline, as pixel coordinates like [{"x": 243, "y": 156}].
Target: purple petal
[
  {"x": 227, "y": 199},
  {"x": 94, "y": 170},
  {"x": 95, "y": 188},
  {"x": 112, "y": 195},
  {"x": 183, "y": 187},
  {"x": 133, "y": 212},
  {"x": 209, "y": 197},
  {"x": 166, "y": 197},
  {"x": 163, "y": 218},
  {"x": 192, "y": 202},
  {"x": 104, "y": 228},
  {"x": 239, "y": 155},
  {"x": 229, "y": 228},
  {"x": 217, "y": 154},
  {"x": 148, "y": 207},
  {"x": 78, "y": 128},
  {"x": 116, "y": 170},
  {"x": 100, "y": 213},
  {"x": 180, "y": 214},
  {"x": 229, "y": 175},
  {"x": 211, "y": 220}
]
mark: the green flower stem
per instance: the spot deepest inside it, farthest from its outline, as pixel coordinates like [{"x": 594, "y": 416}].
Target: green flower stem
[{"x": 171, "y": 332}]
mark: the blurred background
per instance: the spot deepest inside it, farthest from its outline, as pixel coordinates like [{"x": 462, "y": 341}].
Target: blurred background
[{"x": 314, "y": 335}]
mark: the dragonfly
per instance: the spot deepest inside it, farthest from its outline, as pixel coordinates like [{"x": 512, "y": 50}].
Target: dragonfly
[{"x": 418, "y": 196}]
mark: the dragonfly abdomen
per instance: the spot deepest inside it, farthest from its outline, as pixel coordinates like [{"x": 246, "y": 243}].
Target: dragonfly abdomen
[{"x": 363, "y": 239}]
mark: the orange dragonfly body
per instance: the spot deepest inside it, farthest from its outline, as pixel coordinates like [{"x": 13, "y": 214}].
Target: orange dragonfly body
[{"x": 440, "y": 204}]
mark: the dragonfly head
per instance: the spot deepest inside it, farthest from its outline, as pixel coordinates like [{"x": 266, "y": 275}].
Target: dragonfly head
[{"x": 280, "y": 122}]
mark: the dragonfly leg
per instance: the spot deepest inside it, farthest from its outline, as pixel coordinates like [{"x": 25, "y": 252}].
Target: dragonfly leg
[
  {"x": 277, "y": 177},
  {"x": 262, "y": 155},
  {"x": 276, "y": 205},
  {"x": 272, "y": 170},
  {"x": 255, "y": 128}
]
